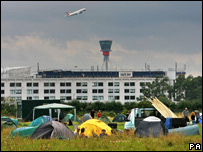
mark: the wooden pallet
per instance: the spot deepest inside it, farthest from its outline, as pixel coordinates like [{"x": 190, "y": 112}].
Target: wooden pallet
[{"x": 164, "y": 110}]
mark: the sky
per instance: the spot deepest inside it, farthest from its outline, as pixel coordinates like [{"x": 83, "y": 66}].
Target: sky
[{"x": 158, "y": 33}]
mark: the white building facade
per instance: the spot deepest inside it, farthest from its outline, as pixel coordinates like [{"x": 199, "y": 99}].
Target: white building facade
[{"x": 124, "y": 87}]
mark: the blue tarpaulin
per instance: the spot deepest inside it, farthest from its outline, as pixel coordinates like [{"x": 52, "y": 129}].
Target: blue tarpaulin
[
  {"x": 200, "y": 120},
  {"x": 187, "y": 131},
  {"x": 168, "y": 122}
]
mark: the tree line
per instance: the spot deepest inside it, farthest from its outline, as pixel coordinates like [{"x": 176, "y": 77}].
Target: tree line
[{"x": 189, "y": 88}]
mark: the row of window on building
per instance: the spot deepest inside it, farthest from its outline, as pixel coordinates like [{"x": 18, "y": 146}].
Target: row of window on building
[
  {"x": 68, "y": 84},
  {"x": 67, "y": 91},
  {"x": 98, "y": 98}
]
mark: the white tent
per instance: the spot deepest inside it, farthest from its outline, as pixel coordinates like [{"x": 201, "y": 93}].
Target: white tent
[{"x": 55, "y": 106}]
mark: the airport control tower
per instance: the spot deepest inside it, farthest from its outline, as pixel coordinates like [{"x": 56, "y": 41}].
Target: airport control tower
[{"x": 105, "y": 48}]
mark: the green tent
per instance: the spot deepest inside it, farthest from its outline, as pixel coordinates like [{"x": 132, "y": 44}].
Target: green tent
[
  {"x": 69, "y": 116},
  {"x": 23, "y": 131},
  {"x": 6, "y": 124},
  {"x": 7, "y": 119},
  {"x": 104, "y": 119},
  {"x": 40, "y": 120},
  {"x": 119, "y": 118}
]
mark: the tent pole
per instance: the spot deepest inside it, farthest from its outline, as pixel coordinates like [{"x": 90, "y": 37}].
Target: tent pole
[
  {"x": 59, "y": 110},
  {"x": 33, "y": 114},
  {"x": 50, "y": 113},
  {"x": 75, "y": 114}
]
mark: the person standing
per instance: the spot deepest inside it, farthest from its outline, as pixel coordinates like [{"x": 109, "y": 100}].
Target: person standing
[
  {"x": 185, "y": 114},
  {"x": 193, "y": 118},
  {"x": 99, "y": 114},
  {"x": 92, "y": 113}
]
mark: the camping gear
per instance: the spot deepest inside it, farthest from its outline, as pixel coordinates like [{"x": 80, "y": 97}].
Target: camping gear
[
  {"x": 141, "y": 113},
  {"x": 186, "y": 131},
  {"x": 131, "y": 124},
  {"x": 85, "y": 117},
  {"x": 54, "y": 106},
  {"x": 151, "y": 126},
  {"x": 23, "y": 131},
  {"x": 52, "y": 129},
  {"x": 105, "y": 119},
  {"x": 168, "y": 123},
  {"x": 176, "y": 122},
  {"x": 94, "y": 126},
  {"x": 7, "y": 119},
  {"x": 40, "y": 120},
  {"x": 119, "y": 118},
  {"x": 113, "y": 125},
  {"x": 71, "y": 117}
]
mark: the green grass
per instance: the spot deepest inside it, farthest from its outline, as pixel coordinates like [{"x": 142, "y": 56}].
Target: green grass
[{"x": 119, "y": 142}]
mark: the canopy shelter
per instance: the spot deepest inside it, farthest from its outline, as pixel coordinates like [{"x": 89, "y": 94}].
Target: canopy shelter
[{"x": 54, "y": 106}]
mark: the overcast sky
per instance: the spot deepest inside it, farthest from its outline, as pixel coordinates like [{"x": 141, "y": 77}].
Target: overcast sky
[{"x": 156, "y": 33}]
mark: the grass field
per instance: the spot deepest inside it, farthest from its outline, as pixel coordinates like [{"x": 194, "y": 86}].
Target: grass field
[{"x": 118, "y": 142}]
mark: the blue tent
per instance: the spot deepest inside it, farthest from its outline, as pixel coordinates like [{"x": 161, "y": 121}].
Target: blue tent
[{"x": 40, "y": 120}]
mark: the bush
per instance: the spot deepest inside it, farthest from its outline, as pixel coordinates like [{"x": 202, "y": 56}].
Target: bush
[
  {"x": 108, "y": 113},
  {"x": 8, "y": 110},
  {"x": 144, "y": 104},
  {"x": 191, "y": 105}
]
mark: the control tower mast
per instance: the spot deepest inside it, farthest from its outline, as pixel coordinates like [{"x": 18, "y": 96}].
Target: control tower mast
[{"x": 105, "y": 48}]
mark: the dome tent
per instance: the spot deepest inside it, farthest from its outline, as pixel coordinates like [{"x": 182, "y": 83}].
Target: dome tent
[
  {"x": 151, "y": 126},
  {"x": 71, "y": 117},
  {"x": 94, "y": 126},
  {"x": 52, "y": 129},
  {"x": 40, "y": 120},
  {"x": 23, "y": 131},
  {"x": 7, "y": 119},
  {"x": 119, "y": 118},
  {"x": 104, "y": 119},
  {"x": 85, "y": 117}
]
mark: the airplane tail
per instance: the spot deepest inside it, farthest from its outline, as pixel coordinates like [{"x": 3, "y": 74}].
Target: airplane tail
[{"x": 67, "y": 13}]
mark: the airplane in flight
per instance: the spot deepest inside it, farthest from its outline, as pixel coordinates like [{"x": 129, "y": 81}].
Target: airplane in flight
[{"x": 76, "y": 12}]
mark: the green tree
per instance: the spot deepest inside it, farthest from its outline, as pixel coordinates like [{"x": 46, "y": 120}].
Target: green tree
[
  {"x": 159, "y": 87},
  {"x": 193, "y": 88},
  {"x": 179, "y": 88}
]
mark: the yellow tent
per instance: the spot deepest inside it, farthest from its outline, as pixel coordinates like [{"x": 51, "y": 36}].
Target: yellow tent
[{"x": 94, "y": 126}]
